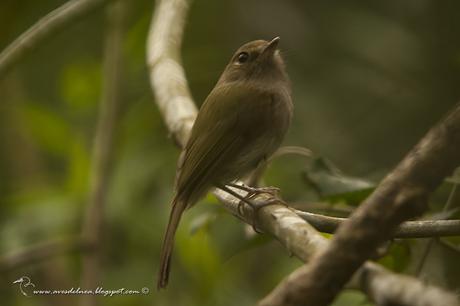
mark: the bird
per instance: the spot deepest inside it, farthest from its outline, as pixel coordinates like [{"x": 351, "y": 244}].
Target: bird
[{"x": 240, "y": 125}]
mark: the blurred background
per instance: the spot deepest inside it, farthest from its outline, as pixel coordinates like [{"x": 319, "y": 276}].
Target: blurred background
[{"x": 369, "y": 79}]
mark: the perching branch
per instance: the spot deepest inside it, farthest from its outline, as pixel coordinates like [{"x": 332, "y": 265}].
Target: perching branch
[
  {"x": 103, "y": 147},
  {"x": 409, "y": 229},
  {"x": 172, "y": 96},
  {"x": 44, "y": 28}
]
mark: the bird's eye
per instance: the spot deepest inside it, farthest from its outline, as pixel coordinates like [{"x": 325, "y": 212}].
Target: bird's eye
[{"x": 243, "y": 57}]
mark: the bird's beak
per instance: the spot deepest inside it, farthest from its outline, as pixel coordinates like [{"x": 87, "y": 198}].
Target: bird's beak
[{"x": 272, "y": 46}]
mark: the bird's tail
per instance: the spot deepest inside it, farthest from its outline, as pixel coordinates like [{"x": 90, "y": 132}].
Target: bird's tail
[{"x": 178, "y": 207}]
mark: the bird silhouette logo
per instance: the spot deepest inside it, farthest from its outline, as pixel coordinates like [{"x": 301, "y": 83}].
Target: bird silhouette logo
[{"x": 24, "y": 282}]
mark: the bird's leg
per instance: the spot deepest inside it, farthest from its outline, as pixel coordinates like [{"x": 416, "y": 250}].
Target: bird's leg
[
  {"x": 256, "y": 190},
  {"x": 243, "y": 199},
  {"x": 252, "y": 192},
  {"x": 248, "y": 199}
]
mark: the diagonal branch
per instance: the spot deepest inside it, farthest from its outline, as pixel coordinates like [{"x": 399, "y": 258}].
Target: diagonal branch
[
  {"x": 44, "y": 28},
  {"x": 302, "y": 240},
  {"x": 401, "y": 195},
  {"x": 176, "y": 105}
]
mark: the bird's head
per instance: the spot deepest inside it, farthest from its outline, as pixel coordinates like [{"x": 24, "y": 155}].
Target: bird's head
[{"x": 256, "y": 60}]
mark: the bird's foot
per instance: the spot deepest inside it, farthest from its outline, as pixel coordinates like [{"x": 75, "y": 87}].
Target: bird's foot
[
  {"x": 253, "y": 191},
  {"x": 256, "y": 204}
]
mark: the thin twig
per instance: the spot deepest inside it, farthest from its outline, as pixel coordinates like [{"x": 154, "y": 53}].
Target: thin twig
[
  {"x": 428, "y": 246},
  {"x": 102, "y": 150},
  {"x": 408, "y": 229},
  {"x": 449, "y": 245},
  {"x": 257, "y": 174},
  {"x": 47, "y": 26}
]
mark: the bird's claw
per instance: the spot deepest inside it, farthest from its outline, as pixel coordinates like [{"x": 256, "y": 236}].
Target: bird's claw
[{"x": 257, "y": 205}]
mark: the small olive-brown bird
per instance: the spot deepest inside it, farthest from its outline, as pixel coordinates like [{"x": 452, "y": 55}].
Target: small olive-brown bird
[{"x": 240, "y": 124}]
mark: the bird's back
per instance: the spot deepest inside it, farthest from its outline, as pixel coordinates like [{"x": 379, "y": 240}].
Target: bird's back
[{"x": 237, "y": 127}]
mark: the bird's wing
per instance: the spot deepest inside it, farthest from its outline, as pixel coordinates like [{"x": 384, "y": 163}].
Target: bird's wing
[{"x": 222, "y": 131}]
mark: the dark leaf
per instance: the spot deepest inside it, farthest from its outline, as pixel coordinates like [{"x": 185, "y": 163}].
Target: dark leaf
[{"x": 332, "y": 185}]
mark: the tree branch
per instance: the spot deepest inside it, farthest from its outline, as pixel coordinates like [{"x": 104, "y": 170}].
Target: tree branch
[
  {"x": 44, "y": 28},
  {"x": 401, "y": 195},
  {"x": 167, "y": 76},
  {"x": 102, "y": 150},
  {"x": 407, "y": 291},
  {"x": 172, "y": 96},
  {"x": 381, "y": 286},
  {"x": 303, "y": 241},
  {"x": 409, "y": 229}
]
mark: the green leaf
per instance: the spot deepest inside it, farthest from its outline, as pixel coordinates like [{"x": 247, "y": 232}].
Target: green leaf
[
  {"x": 398, "y": 257},
  {"x": 248, "y": 244},
  {"x": 200, "y": 258},
  {"x": 81, "y": 85},
  {"x": 78, "y": 167},
  {"x": 48, "y": 128},
  {"x": 351, "y": 297},
  {"x": 202, "y": 221},
  {"x": 332, "y": 185}
]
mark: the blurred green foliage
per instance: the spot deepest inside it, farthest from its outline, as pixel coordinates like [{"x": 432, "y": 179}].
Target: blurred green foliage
[{"x": 369, "y": 78}]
